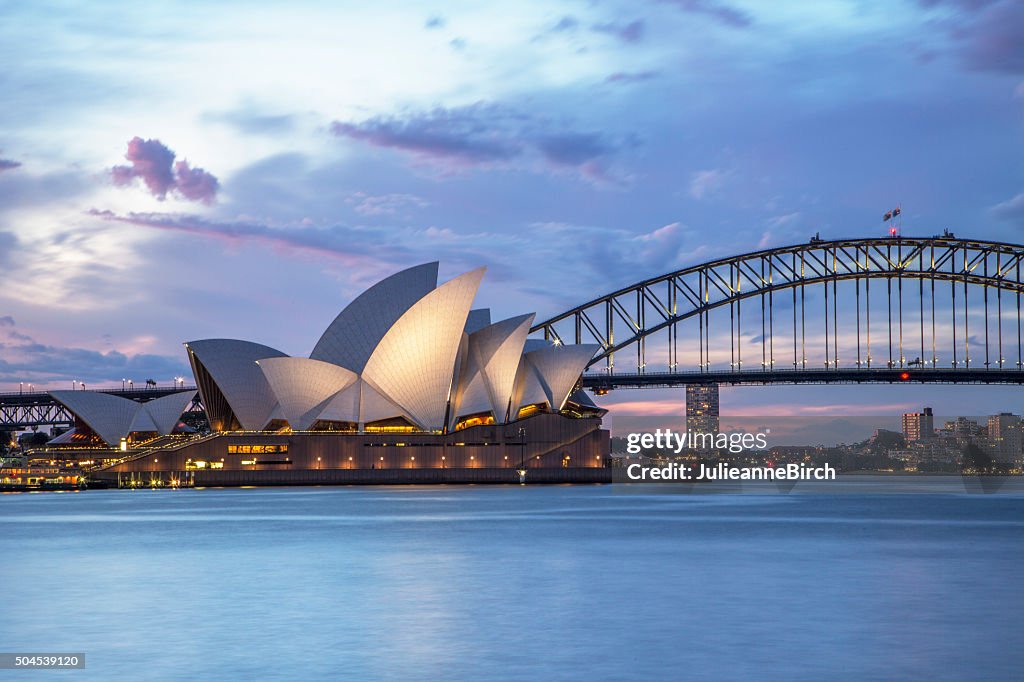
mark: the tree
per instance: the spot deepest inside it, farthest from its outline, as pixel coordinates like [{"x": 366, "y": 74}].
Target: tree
[{"x": 975, "y": 458}]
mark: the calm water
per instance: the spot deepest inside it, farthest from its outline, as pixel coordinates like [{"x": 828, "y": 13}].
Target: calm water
[{"x": 483, "y": 583}]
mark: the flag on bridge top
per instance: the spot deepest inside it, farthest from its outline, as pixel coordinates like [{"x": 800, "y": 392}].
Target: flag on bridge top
[
  {"x": 896, "y": 212},
  {"x": 887, "y": 217}
]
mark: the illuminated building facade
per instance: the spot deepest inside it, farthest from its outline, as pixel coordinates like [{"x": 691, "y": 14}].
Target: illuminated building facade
[
  {"x": 408, "y": 375},
  {"x": 919, "y": 425},
  {"x": 702, "y": 408}
]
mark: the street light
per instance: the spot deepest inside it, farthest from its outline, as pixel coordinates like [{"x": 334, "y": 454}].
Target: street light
[{"x": 123, "y": 381}]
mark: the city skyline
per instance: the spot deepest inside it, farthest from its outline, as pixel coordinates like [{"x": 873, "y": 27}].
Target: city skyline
[{"x": 572, "y": 148}]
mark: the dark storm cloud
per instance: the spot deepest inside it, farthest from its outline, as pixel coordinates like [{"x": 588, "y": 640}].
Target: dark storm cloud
[
  {"x": 486, "y": 135},
  {"x": 724, "y": 14},
  {"x": 153, "y": 162}
]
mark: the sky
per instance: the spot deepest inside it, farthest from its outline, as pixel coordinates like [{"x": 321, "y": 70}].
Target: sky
[{"x": 179, "y": 171}]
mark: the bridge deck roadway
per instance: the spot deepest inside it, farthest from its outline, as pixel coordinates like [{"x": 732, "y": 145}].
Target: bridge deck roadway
[{"x": 904, "y": 375}]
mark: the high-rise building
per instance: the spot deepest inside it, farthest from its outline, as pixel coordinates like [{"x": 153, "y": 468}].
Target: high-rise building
[
  {"x": 702, "y": 408},
  {"x": 919, "y": 425},
  {"x": 1004, "y": 435}
]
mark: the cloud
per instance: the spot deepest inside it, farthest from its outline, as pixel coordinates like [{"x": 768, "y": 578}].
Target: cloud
[
  {"x": 485, "y": 135},
  {"x": 253, "y": 123},
  {"x": 601, "y": 258},
  {"x": 785, "y": 220},
  {"x": 195, "y": 184},
  {"x": 8, "y": 242},
  {"x": 153, "y": 162},
  {"x": 1011, "y": 210},
  {"x": 345, "y": 243},
  {"x": 706, "y": 182},
  {"x": 435, "y": 21},
  {"x": 631, "y": 33},
  {"x": 385, "y": 204},
  {"x": 464, "y": 134},
  {"x": 722, "y": 13},
  {"x": 988, "y": 34},
  {"x": 572, "y": 149},
  {"x": 8, "y": 164},
  {"x": 23, "y": 189},
  {"x": 626, "y": 77},
  {"x": 22, "y": 358},
  {"x": 566, "y": 23}
]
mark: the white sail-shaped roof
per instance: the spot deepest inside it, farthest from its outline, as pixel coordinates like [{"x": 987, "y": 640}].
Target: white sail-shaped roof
[
  {"x": 142, "y": 421},
  {"x": 166, "y": 411},
  {"x": 360, "y": 403},
  {"x": 351, "y": 338},
  {"x": 493, "y": 358},
  {"x": 414, "y": 361},
  {"x": 231, "y": 365},
  {"x": 555, "y": 370},
  {"x": 109, "y": 416},
  {"x": 112, "y": 417},
  {"x": 528, "y": 390},
  {"x": 303, "y": 386}
]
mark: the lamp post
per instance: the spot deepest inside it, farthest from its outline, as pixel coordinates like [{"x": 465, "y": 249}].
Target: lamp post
[
  {"x": 131, "y": 385},
  {"x": 21, "y": 387},
  {"x": 123, "y": 381},
  {"x": 522, "y": 456}
]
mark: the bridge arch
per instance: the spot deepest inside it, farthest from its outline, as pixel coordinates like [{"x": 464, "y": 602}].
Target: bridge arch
[{"x": 934, "y": 289}]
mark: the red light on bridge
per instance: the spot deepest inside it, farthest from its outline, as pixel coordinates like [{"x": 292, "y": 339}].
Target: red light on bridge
[
  {"x": 892, "y": 231},
  {"x": 904, "y": 376}
]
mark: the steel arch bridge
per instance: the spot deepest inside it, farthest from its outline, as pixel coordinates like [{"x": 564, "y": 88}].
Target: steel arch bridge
[{"x": 931, "y": 309}]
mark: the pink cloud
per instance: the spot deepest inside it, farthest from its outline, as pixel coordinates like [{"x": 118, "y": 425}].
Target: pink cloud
[
  {"x": 153, "y": 162},
  {"x": 195, "y": 184}
]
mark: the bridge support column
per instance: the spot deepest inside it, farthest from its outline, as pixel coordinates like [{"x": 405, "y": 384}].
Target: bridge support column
[{"x": 702, "y": 408}]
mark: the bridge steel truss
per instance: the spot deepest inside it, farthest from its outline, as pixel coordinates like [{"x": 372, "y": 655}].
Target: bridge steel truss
[
  {"x": 898, "y": 279},
  {"x": 18, "y": 416}
]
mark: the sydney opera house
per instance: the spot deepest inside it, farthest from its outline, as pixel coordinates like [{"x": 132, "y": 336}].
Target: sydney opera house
[{"x": 407, "y": 377}]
